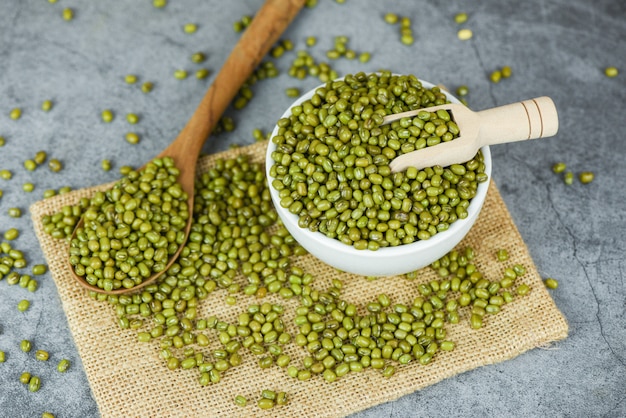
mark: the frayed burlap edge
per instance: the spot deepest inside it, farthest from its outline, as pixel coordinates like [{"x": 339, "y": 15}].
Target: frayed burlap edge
[{"x": 128, "y": 379}]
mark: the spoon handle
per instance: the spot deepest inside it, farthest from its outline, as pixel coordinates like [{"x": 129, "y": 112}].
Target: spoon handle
[{"x": 529, "y": 119}]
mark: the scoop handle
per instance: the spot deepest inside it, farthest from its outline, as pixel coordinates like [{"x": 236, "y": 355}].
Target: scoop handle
[{"x": 528, "y": 119}]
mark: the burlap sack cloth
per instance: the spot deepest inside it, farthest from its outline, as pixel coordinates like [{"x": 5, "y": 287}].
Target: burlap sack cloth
[{"x": 128, "y": 379}]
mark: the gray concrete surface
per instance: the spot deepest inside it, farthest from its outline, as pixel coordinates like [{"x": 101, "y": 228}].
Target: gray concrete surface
[{"x": 557, "y": 48}]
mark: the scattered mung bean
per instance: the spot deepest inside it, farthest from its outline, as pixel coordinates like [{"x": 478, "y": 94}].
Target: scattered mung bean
[
  {"x": 465, "y": 34},
  {"x": 23, "y": 305},
  {"x": 586, "y": 177},
  {"x": 63, "y": 365},
  {"x": 551, "y": 283},
  {"x": 15, "y": 113}
]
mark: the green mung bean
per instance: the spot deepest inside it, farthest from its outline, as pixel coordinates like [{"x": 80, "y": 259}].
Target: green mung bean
[
  {"x": 25, "y": 346},
  {"x": 42, "y": 355},
  {"x": 30, "y": 165},
  {"x": 25, "y": 377},
  {"x": 559, "y": 167},
  {"x": 611, "y": 72},
  {"x": 63, "y": 366},
  {"x": 202, "y": 73},
  {"x": 15, "y": 113},
  {"x": 68, "y": 14},
  {"x": 147, "y": 86},
  {"x": 568, "y": 178},
  {"x": 551, "y": 283},
  {"x": 132, "y": 118},
  {"x": 460, "y": 18},
  {"x": 190, "y": 28},
  {"x": 55, "y": 165},
  {"x": 11, "y": 234},
  {"x": 23, "y": 305},
  {"x": 107, "y": 116},
  {"x": 465, "y": 34},
  {"x": 3, "y": 357},
  {"x": 180, "y": 74},
  {"x": 14, "y": 212},
  {"x": 586, "y": 177},
  {"x": 132, "y": 138},
  {"x": 34, "y": 384}
]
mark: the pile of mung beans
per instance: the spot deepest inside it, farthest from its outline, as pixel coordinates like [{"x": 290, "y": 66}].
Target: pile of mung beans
[
  {"x": 236, "y": 235},
  {"x": 130, "y": 231},
  {"x": 331, "y": 163}
]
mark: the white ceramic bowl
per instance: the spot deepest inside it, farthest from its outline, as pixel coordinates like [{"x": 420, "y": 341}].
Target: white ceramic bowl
[{"x": 385, "y": 261}]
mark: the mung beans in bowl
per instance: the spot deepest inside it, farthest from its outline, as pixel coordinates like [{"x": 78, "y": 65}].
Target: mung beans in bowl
[{"x": 327, "y": 164}]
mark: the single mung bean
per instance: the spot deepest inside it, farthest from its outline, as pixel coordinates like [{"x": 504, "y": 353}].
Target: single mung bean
[
  {"x": 465, "y": 34},
  {"x": 559, "y": 167},
  {"x": 63, "y": 366},
  {"x": 265, "y": 403},
  {"x": 47, "y": 415},
  {"x": 68, "y": 14},
  {"x": 568, "y": 178},
  {"x": 462, "y": 91},
  {"x": 30, "y": 165},
  {"x": 15, "y": 113},
  {"x": 611, "y": 72},
  {"x": 180, "y": 74},
  {"x": 25, "y": 378},
  {"x": 11, "y": 234},
  {"x": 130, "y": 78},
  {"x": 132, "y": 118},
  {"x": 6, "y": 174},
  {"x": 107, "y": 115},
  {"x": 23, "y": 305},
  {"x": 523, "y": 289},
  {"x": 190, "y": 28},
  {"x": 132, "y": 138},
  {"x": 460, "y": 18},
  {"x": 147, "y": 86},
  {"x": 25, "y": 346},
  {"x": 28, "y": 187},
  {"x": 240, "y": 400},
  {"x": 551, "y": 283},
  {"x": 55, "y": 165},
  {"x": 3, "y": 357},
  {"x": 106, "y": 165},
  {"x": 506, "y": 71},
  {"x": 34, "y": 384},
  {"x": 202, "y": 73},
  {"x": 495, "y": 76},
  {"x": 42, "y": 355},
  {"x": 586, "y": 177}
]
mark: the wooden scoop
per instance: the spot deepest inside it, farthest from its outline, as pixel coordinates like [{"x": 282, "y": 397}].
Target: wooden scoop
[
  {"x": 530, "y": 119},
  {"x": 266, "y": 27}
]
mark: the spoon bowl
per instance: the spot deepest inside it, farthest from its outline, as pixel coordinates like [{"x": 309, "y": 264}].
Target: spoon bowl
[{"x": 266, "y": 28}]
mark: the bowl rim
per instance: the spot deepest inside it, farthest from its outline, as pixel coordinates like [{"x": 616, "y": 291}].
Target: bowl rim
[{"x": 384, "y": 252}]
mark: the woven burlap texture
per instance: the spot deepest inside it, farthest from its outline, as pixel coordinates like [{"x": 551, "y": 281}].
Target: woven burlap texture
[{"x": 129, "y": 379}]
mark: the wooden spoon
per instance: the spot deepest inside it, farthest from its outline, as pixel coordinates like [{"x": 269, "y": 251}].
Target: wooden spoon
[
  {"x": 266, "y": 27},
  {"x": 529, "y": 119}
]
